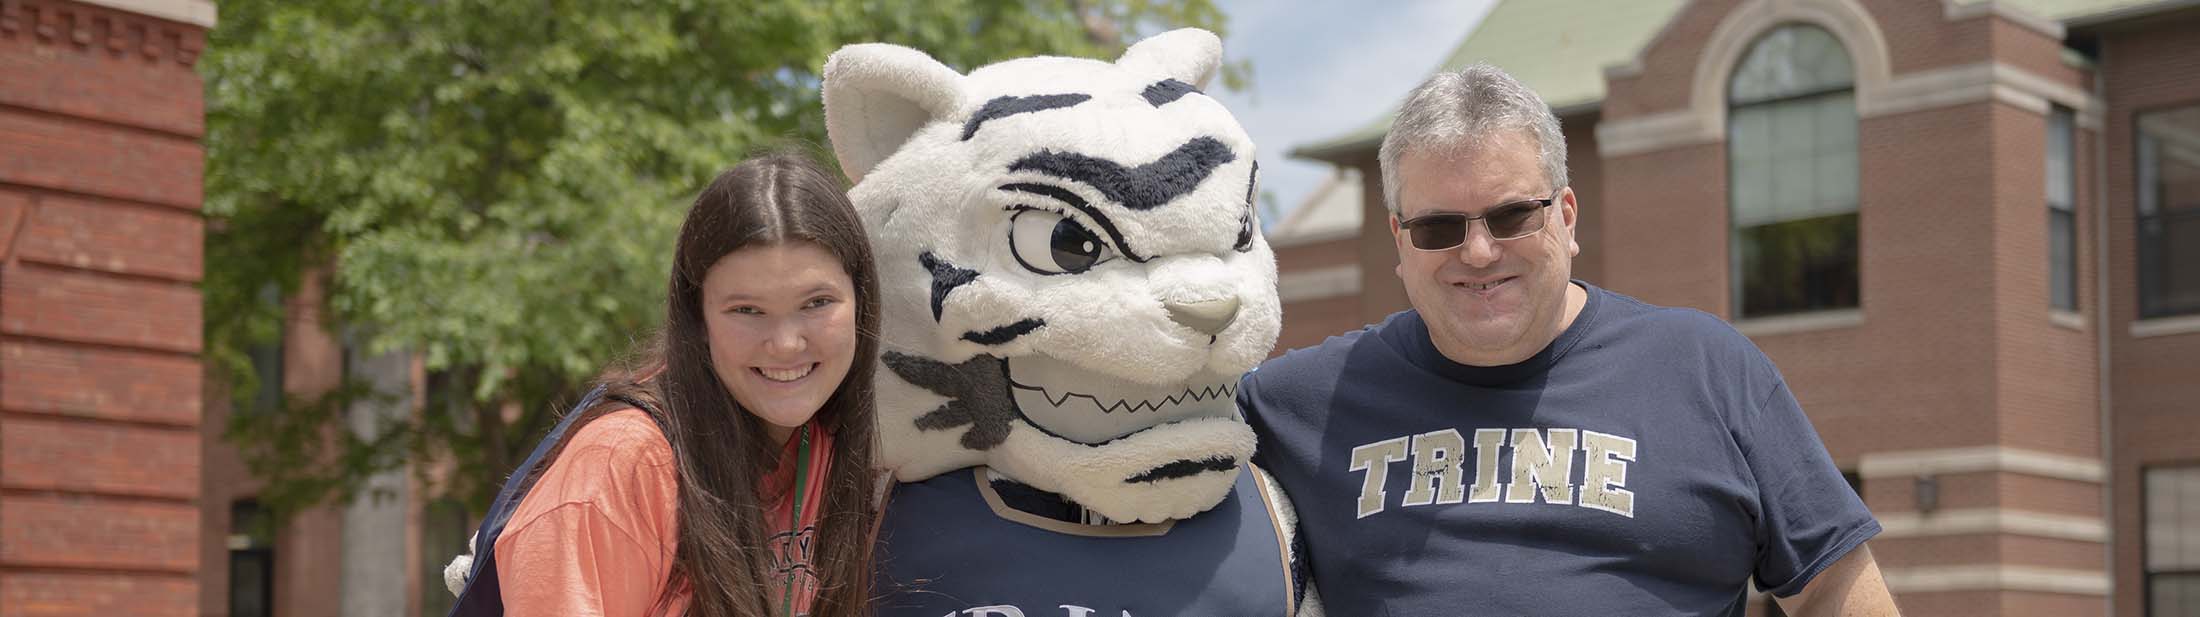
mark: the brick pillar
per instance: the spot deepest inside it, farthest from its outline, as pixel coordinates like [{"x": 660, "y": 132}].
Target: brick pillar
[{"x": 100, "y": 249}]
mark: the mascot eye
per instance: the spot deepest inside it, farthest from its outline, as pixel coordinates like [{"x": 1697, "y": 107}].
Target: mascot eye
[
  {"x": 1245, "y": 234},
  {"x": 1049, "y": 243}
]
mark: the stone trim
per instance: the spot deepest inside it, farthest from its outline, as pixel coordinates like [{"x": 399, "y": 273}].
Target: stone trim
[
  {"x": 1993, "y": 521},
  {"x": 1318, "y": 283},
  {"x": 1994, "y": 577},
  {"x": 1959, "y": 11},
  {"x": 1907, "y": 463},
  {"x": 1912, "y": 92},
  {"x": 2165, "y": 326},
  {"x": 2066, "y": 319},
  {"x": 1655, "y": 132},
  {"x": 1878, "y": 91},
  {"x": 1807, "y": 322},
  {"x": 199, "y": 13}
]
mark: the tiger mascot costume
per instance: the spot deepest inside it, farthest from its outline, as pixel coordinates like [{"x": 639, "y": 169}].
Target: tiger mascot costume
[{"x": 1072, "y": 281}]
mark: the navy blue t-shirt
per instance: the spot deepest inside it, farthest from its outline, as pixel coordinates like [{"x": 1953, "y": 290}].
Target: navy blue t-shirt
[{"x": 1650, "y": 461}]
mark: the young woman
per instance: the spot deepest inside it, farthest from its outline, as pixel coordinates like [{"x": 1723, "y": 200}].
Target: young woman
[{"x": 733, "y": 479}]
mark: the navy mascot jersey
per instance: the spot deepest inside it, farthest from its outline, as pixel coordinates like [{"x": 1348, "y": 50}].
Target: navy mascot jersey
[
  {"x": 1650, "y": 461},
  {"x": 999, "y": 562}
]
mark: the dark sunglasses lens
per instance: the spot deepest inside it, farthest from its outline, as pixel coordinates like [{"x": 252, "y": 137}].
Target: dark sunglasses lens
[
  {"x": 1514, "y": 222},
  {"x": 1437, "y": 233}
]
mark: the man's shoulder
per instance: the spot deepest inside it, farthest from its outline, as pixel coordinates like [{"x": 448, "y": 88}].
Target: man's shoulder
[
  {"x": 1670, "y": 324},
  {"x": 1322, "y": 361}
]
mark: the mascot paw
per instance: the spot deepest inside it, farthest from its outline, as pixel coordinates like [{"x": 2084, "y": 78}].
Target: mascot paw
[{"x": 454, "y": 575}]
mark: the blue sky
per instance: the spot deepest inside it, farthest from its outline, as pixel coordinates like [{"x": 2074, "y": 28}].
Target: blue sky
[{"x": 1321, "y": 69}]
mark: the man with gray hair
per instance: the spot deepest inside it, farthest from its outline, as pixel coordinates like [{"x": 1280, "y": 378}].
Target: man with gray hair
[{"x": 1521, "y": 443}]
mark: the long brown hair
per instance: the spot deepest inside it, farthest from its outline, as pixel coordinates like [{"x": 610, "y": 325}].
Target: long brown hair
[{"x": 722, "y": 449}]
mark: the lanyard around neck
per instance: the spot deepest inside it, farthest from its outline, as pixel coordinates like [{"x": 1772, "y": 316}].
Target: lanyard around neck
[{"x": 801, "y": 488}]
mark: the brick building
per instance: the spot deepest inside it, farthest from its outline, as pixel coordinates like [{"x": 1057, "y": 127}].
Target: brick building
[
  {"x": 100, "y": 249},
  {"x": 1968, "y": 232}
]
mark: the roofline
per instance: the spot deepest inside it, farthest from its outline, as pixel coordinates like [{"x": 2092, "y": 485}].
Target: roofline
[
  {"x": 2136, "y": 11},
  {"x": 1343, "y": 153}
]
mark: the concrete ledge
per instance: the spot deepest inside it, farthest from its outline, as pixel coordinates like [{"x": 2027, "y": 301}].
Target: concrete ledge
[
  {"x": 2066, "y": 319},
  {"x": 1318, "y": 283},
  {"x": 1981, "y": 459},
  {"x": 1660, "y": 131},
  {"x": 1996, "y": 578},
  {"x": 1993, "y": 521},
  {"x": 199, "y": 13},
  {"x": 2165, "y": 326},
  {"x": 1806, "y": 322},
  {"x": 1959, "y": 10},
  {"x": 1909, "y": 92}
]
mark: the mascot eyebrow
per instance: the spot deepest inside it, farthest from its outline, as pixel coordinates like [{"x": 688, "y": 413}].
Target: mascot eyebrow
[
  {"x": 1012, "y": 105},
  {"x": 1144, "y": 187},
  {"x": 945, "y": 278},
  {"x": 1167, "y": 91}
]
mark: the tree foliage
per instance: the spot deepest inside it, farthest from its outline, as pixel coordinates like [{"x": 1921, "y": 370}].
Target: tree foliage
[{"x": 495, "y": 186}]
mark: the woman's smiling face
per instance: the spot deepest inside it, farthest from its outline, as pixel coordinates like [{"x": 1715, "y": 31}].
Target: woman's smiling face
[{"x": 782, "y": 325}]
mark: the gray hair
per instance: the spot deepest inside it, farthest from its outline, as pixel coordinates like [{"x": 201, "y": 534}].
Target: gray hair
[{"x": 1454, "y": 110}]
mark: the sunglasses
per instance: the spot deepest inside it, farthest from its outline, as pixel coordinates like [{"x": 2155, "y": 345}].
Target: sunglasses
[{"x": 1444, "y": 231}]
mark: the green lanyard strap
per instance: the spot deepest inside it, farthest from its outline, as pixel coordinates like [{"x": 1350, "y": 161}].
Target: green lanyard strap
[{"x": 801, "y": 485}]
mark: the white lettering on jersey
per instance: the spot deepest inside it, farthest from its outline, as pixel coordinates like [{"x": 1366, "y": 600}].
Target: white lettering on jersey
[
  {"x": 1375, "y": 459},
  {"x": 1543, "y": 462}
]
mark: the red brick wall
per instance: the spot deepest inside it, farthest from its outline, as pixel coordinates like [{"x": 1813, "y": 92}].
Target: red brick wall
[
  {"x": 1309, "y": 320},
  {"x": 2153, "y": 387},
  {"x": 1956, "y": 347},
  {"x": 100, "y": 239}
]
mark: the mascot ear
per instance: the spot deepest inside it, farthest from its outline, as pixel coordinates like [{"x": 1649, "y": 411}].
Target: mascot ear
[
  {"x": 877, "y": 96},
  {"x": 1189, "y": 55}
]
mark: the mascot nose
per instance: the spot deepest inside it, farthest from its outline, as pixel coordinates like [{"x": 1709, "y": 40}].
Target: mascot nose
[{"x": 1208, "y": 317}]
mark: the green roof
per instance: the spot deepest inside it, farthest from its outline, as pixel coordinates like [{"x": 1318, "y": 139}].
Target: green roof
[{"x": 1557, "y": 47}]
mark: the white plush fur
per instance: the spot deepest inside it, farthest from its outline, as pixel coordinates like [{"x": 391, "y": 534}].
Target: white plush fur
[
  {"x": 897, "y": 121},
  {"x": 454, "y": 575}
]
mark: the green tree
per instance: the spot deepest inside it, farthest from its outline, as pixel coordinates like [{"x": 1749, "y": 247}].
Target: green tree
[{"x": 495, "y": 185}]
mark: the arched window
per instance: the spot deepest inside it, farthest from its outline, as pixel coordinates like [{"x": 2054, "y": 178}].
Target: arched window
[{"x": 1792, "y": 180}]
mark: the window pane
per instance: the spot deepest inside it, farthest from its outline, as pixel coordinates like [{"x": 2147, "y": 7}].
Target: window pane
[
  {"x": 2169, "y": 212},
  {"x": 2062, "y": 259},
  {"x": 2173, "y": 519},
  {"x": 1794, "y": 187},
  {"x": 2173, "y": 595},
  {"x": 2180, "y": 267},
  {"x": 1789, "y": 61},
  {"x": 2179, "y": 175},
  {"x": 2169, "y": 157},
  {"x": 2060, "y": 169},
  {"x": 1798, "y": 266},
  {"x": 1835, "y": 115},
  {"x": 1836, "y": 184},
  {"x": 2150, "y": 190}
]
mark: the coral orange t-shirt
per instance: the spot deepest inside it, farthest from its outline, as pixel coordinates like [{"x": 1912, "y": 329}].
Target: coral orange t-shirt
[{"x": 597, "y": 534}]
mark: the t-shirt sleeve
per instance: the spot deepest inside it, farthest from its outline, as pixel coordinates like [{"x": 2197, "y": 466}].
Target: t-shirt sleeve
[
  {"x": 573, "y": 561},
  {"x": 1248, "y": 407},
  {"x": 1808, "y": 516},
  {"x": 597, "y": 533}
]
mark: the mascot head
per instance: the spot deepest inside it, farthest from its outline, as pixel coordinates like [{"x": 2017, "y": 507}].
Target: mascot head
[{"x": 1073, "y": 279}]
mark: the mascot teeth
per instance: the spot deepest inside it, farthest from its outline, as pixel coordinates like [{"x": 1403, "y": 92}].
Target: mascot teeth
[{"x": 1088, "y": 407}]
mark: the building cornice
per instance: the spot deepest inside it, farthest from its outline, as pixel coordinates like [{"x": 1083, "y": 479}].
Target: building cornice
[{"x": 199, "y": 13}]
